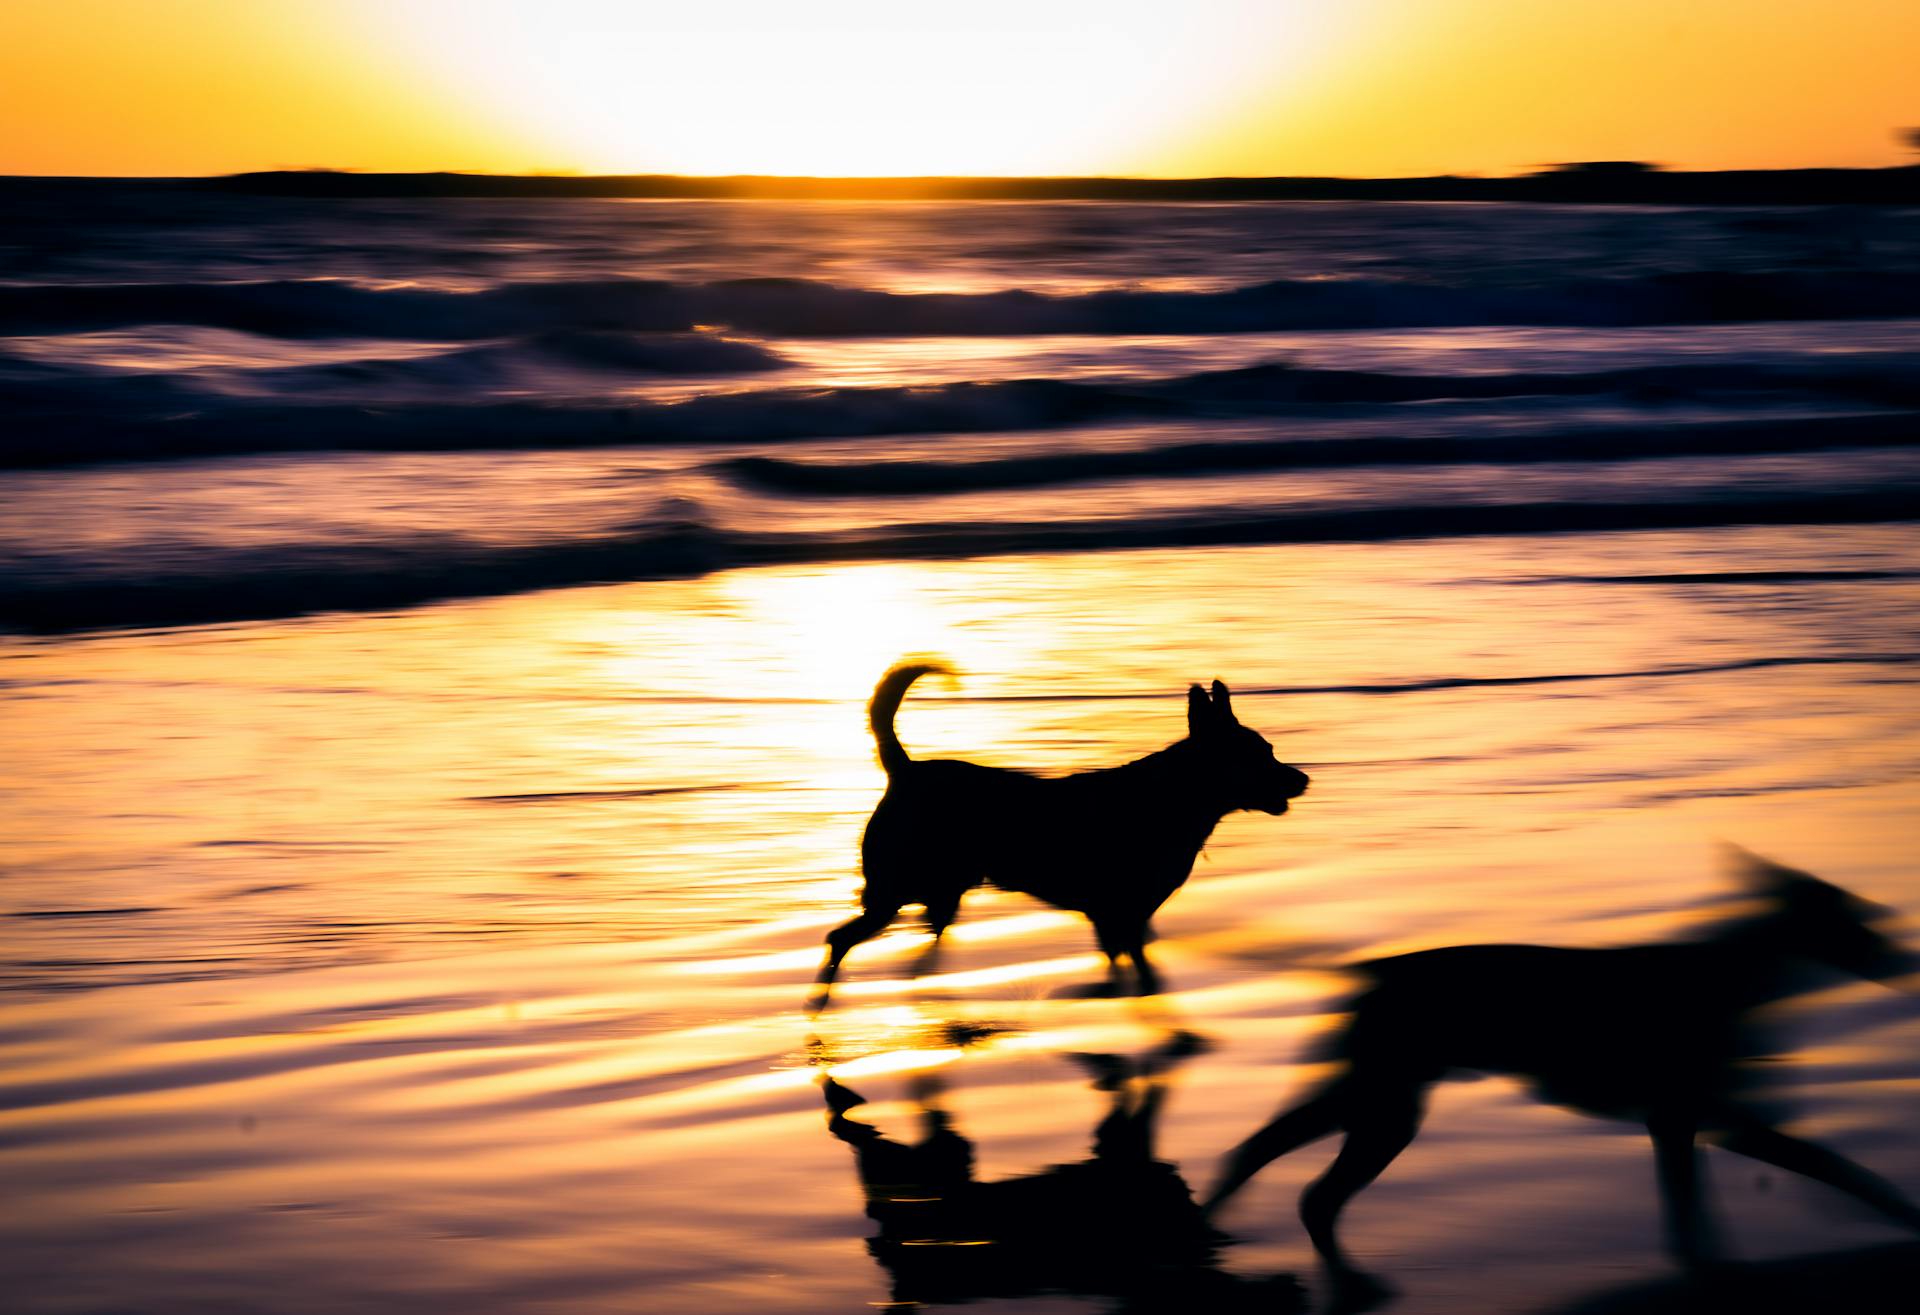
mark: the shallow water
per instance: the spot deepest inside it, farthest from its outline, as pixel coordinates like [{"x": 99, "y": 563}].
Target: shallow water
[{"x": 456, "y": 956}]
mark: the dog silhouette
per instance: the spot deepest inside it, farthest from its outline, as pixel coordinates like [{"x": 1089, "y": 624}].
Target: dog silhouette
[
  {"x": 1652, "y": 1033},
  {"x": 1113, "y": 844}
]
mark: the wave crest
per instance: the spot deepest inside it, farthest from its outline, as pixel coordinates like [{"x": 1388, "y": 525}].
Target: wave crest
[{"x": 802, "y": 308}]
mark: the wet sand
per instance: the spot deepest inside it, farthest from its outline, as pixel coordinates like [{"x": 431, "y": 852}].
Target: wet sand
[{"x": 454, "y": 958}]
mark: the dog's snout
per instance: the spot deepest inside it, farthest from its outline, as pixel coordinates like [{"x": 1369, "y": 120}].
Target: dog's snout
[{"x": 1288, "y": 783}]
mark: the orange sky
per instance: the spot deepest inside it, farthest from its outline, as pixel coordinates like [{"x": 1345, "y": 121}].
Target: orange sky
[{"x": 1154, "y": 87}]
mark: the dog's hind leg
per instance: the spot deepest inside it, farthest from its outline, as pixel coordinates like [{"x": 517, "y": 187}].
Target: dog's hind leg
[
  {"x": 1308, "y": 1121},
  {"x": 1379, "y": 1127},
  {"x": 1760, "y": 1141},
  {"x": 864, "y": 926},
  {"x": 941, "y": 911}
]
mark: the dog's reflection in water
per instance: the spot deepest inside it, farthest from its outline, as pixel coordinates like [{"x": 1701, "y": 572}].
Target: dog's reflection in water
[{"x": 1121, "y": 1224}]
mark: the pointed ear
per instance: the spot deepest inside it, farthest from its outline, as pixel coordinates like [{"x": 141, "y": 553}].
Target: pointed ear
[
  {"x": 1222, "y": 704},
  {"x": 1765, "y": 877},
  {"x": 1748, "y": 869},
  {"x": 1199, "y": 711}
]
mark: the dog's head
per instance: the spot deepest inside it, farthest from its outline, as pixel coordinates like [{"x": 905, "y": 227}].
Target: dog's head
[
  {"x": 1818, "y": 921},
  {"x": 1239, "y": 766}
]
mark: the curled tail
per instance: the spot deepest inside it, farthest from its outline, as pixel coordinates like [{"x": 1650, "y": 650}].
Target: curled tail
[{"x": 886, "y": 701}]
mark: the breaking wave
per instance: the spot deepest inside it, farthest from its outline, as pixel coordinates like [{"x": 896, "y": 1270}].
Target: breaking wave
[
  {"x": 62, "y": 415},
  {"x": 801, "y": 308}
]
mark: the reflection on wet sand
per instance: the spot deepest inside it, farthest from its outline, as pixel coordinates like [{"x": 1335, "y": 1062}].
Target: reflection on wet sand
[{"x": 1121, "y": 1224}]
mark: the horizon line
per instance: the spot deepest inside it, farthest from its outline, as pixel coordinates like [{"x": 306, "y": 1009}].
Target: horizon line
[
  {"x": 1546, "y": 169},
  {"x": 1589, "y": 182}
]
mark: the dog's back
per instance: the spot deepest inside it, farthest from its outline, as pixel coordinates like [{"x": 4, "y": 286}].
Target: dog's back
[
  {"x": 1613, "y": 1030},
  {"x": 1610, "y": 1031},
  {"x": 1081, "y": 842}
]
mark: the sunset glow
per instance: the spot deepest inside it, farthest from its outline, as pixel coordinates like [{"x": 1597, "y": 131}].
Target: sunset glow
[{"x": 861, "y": 87}]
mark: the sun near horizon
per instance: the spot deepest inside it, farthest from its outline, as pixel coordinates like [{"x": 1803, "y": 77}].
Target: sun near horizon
[{"x": 998, "y": 87}]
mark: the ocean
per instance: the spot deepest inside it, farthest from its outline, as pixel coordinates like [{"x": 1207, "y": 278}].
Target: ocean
[{"x": 436, "y": 635}]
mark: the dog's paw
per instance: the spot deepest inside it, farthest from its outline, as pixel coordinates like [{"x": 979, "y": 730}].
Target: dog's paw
[{"x": 1351, "y": 1291}]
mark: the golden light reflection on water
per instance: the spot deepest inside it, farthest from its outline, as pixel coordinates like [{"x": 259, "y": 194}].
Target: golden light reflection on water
[
  {"x": 498, "y": 916},
  {"x": 832, "y": 625}
]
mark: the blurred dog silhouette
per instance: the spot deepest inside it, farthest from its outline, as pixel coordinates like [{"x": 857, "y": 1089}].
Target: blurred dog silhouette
[
  {"x": 1113, "y": 844},
  {"x": 1120, "y": 1224},
  {"x": 1652, "y": 1033}
]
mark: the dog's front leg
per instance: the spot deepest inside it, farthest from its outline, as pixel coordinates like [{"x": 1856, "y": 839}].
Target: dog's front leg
[
  {"x": 1689, "y": 1232},
  {"x": 864, "y": 926},
  {"x": 1113, "y": 945},
  {"x": 1752, "y": 1137},
  {"x": 1143, "y": 971}
]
